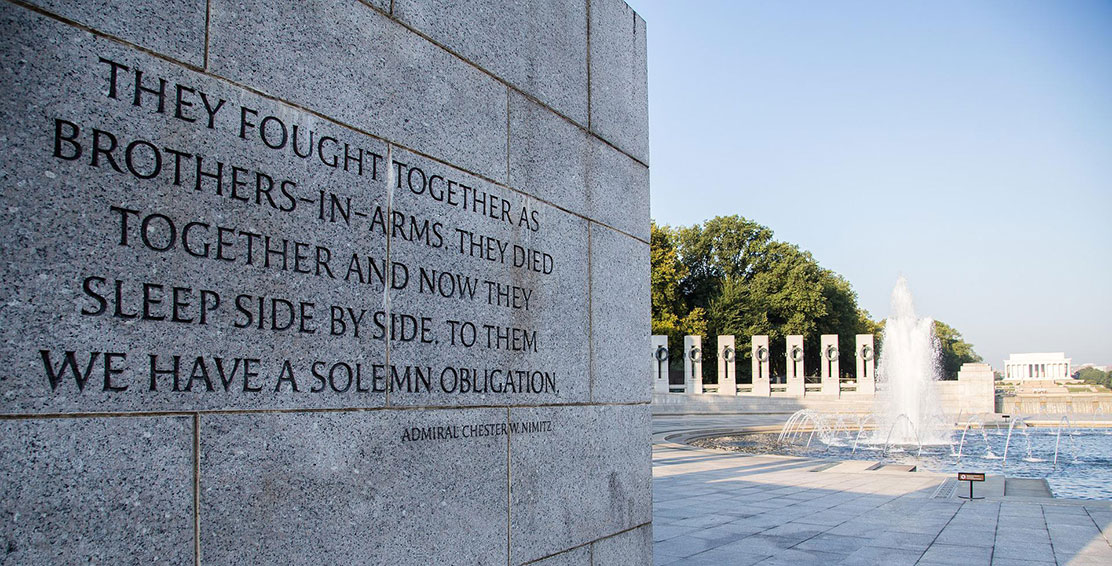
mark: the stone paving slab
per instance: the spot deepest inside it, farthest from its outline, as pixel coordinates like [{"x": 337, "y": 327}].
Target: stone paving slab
[{"x": 720, "y": 508}]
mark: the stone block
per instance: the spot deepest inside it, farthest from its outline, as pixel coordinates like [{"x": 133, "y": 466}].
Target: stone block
[
  {"x": 175, "y": 28},
  {"x": 632, "y": 548},
  {"x": 325, "y": 488},
  {"x": 538, "y": 46},
  {"x": 503, "y": 282},
  {"x": 548, "y": 155},
  {"x": 559, "y": 162},
  {"x": 355, "y": 65},
  {"x": 620, "y": 315},
  {"x": 618, "y": 190},
  {"x": 97, "y": 490},
  {"x": 619, "y": 77},
  {"x": 118, "y": 255},
  {"x": 584, "y": 480}
]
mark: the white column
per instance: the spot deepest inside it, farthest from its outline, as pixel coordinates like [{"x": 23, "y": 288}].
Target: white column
[
  {"x": 828, "y": 359},
  {"x": 693, "y": 364},
  {"x": 659, "y": 362},
  {"x": 866, "y": 364},
  {"x": 795, "y": 370},
  {"x": 762, "y": 385},
  {"x": 727, "y": 366}
]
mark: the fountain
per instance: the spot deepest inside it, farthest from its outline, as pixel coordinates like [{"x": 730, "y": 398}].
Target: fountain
[
  {"x": 975, "y": 421},
  {"x": 860, "y": 429},
  {"x": 1008, "y": 441},
  {"x": 1058, "y": 438},
  {"x": 907, "y": 422},
  {"x": 908, "y": 409}
]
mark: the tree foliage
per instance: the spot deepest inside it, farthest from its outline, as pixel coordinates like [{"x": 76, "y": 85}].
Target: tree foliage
[
  {"x": 671, "y": 314},
  {"x": 735, "y": 279},
  {"x": 728, "y": 276},
  {"x": 1095, "y": 376},
  {"x": 953, "y": 349}
]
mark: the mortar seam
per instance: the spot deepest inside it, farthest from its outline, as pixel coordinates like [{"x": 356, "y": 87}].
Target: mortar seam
[
  {"x": 590, "y": 317},
  {"x": 589, "y": 543},
  {"x": 190, "y": 412},
  {"x": 208, "y": 18}
]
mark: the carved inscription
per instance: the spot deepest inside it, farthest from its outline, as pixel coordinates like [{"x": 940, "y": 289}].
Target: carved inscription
[
  {"x": 456, "y": 432},
  {"x": 363, "y": 249}
]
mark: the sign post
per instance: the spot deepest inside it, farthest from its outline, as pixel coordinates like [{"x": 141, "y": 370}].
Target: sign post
[{"x": 971, "y": 477}]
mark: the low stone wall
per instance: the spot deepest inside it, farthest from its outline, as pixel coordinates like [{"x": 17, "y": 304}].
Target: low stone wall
[
  {"x": 1060, "y": 404},
  {"x": 685, "y": 404}
]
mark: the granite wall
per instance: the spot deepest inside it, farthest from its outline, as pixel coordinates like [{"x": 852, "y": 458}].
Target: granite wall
[{"x": 324, "y": 282}]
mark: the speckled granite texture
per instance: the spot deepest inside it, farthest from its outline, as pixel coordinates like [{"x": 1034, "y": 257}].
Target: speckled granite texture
[{"x": 334, "y": 281}]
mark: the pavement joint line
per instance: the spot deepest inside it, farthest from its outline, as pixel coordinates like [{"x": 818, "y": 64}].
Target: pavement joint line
[
  {"x": 996, "y": 528},
  {"x": 1100, "y": 529},
  {"x": 1046, "y": 526}
]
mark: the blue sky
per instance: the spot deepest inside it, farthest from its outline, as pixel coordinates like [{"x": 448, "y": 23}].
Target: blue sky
[{"x": 966, "y": 145}]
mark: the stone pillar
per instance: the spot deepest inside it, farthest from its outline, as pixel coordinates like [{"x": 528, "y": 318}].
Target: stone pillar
[
  {"x": 794, "y": 368},
  {"x": 829, "y": 360},
  {"x": 659, "y": 353},
  {"x": 866, "y": 364},
  {"x": 727, "y": 366},
  {"x": 693, "y": 364},
  {"x": 976, "y": 390},
  {"x": 762, "y": 385}
]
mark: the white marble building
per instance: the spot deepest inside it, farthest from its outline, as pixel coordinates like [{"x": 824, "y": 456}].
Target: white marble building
[{"x": 1027, "y": 367}]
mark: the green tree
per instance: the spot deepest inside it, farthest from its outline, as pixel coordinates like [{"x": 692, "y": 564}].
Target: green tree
[
  {"x": 1095, "y": 376},
  {"x": 728, "y": 276},
  {"x": 723, "y": 248},
  {"x": 748, "y": 283},
  {"x": 953, "y": 350},
  {"x": 670, "y": 314}
]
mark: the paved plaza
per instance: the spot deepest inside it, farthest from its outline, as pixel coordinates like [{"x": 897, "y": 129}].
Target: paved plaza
[{"x": 719, "y": 508}]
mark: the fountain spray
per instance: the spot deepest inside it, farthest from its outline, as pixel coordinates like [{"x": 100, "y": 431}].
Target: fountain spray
[{"x": 907, "y": 409}]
